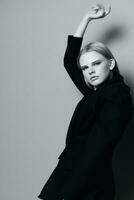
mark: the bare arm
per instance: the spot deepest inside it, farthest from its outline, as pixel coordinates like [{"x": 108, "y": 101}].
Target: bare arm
[{"x": 96, "y": 12}]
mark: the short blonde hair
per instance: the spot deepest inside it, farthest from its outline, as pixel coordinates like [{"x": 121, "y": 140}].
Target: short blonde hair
[{"x": 100, "y": 48}]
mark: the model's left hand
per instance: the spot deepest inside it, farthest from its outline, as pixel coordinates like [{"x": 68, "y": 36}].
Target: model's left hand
[{"x": 98, "y": 11}]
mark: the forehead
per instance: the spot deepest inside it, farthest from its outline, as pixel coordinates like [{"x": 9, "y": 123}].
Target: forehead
[{"x": 90, "y": 57}]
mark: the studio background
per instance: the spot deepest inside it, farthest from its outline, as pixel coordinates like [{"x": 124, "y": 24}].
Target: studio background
[{"x": 38, "y": 97}]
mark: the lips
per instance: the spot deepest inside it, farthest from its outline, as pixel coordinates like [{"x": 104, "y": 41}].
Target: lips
[{"x": 93, "y": 78}]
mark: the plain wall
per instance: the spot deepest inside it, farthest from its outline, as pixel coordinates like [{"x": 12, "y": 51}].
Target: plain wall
[{"x": 38, "y": 97}]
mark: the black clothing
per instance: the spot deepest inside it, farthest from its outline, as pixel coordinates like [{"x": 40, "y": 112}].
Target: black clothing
[{"x": 84, "y": 170}]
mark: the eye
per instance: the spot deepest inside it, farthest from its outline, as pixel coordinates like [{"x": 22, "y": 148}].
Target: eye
[
  {"x": 97, "y": 63},
  {"x": 84, "y": 67}
]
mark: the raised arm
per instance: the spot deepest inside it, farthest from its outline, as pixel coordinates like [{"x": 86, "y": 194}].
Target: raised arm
[
  {"x": 74, "y": 45},
  {"x": 98, "y": 11}
]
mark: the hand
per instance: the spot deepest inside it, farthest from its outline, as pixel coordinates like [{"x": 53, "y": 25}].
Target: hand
[{"x": 97, "y": 12}]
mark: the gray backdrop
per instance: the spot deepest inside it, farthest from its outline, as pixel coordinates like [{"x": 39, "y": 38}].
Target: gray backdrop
[{"x": 37, "y": 95}]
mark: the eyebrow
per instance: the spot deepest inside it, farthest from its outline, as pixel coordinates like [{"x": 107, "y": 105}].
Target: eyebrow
[{"x": 92, "y": 62}]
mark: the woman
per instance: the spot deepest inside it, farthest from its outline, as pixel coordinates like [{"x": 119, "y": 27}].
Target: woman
[{"x": 84, "y": 170}]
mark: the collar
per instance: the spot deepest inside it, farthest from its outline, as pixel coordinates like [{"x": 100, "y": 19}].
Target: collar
[{"x": 116, "y": 79}]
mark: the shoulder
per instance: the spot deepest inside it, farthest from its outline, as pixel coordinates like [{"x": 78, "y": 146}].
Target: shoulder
[
  {"x": 118, "y": 91},
  {"x": 117, "y": 96}
]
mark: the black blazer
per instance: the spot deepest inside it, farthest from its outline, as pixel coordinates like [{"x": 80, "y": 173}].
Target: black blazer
[{"x": 98, "y": 122}]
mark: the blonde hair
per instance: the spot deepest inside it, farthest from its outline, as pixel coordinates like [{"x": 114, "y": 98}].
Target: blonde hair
[{"x": 100, "y": 48}]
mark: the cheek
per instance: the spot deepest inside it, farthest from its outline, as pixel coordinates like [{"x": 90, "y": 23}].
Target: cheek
[
  {"x": 104, "y": 70},
  {"x": 85, "y": 76},
  {"x": 84, "y": 73}
]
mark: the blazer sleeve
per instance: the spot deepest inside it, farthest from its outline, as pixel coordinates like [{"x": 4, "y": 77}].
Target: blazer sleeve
[
  {"x": 105, "y": 132},
  {"x": 70, "y": 63}
]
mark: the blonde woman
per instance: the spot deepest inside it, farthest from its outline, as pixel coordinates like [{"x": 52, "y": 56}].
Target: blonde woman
[{"x": 84, "y": 170}]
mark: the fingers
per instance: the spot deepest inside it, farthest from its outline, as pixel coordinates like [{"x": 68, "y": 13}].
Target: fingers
[
  {"x": 95, "y": 9},
  {"x": 102, "y": 8},
  {"x": 98, "y": 7},
  {"x": 108, "y": 11}
]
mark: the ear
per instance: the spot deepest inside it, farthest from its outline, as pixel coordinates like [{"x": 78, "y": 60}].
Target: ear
[{"x": 112, "y": 64}]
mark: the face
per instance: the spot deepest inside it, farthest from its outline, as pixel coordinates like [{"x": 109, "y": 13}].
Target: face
[{"x": 94, "y": 64}]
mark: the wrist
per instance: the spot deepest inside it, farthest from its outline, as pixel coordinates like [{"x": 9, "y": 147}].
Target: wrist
[{"x": 87, "y": 18}]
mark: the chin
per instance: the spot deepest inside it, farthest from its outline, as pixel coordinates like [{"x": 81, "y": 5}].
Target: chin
[{"x": 96, "y": 84}]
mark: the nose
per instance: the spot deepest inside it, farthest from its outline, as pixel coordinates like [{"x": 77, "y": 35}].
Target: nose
[{"x": 91, "y": 70}]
